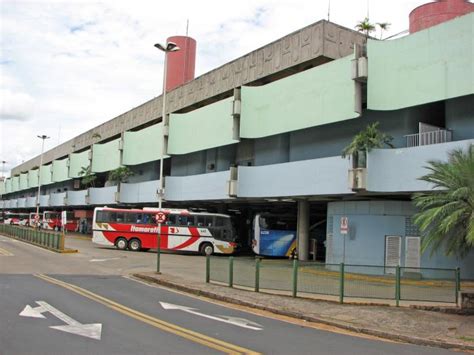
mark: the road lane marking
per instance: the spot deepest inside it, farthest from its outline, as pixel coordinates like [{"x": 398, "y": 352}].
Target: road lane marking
[
  {"x": 101, "y": 260},
  {"x": 239, "y": 322},
  {"x": 157, "y": 323},
  {"x": 267, "y": 314},
  {"x": 5, "y": 252},
  {"x": 93, "y": 330}
]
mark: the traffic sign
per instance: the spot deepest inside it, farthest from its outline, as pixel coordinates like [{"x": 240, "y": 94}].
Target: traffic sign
[
  {"x": 160, "y": 217},
  {"x": 344, "y": 225}
]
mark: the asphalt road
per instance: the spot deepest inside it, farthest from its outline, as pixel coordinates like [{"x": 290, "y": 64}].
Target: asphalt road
[{"x": 107, "y": 313}]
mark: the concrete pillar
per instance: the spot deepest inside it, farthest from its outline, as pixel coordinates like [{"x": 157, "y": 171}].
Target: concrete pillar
[{"x": 303, "y": 230}]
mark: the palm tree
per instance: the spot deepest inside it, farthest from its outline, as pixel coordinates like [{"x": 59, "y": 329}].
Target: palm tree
[
  {"x": 364, "y": 141},
  {"x": 88, "y": 177},
  {"x": 384, "y": 26},
  {"x": 446, "y": 216},
  {"x": 365, "y": 26}
]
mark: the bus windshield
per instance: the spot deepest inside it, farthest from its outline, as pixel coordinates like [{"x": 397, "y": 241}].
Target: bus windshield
[{"x": 274, "y": 234}]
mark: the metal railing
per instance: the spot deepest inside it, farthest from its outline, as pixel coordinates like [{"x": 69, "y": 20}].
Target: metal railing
[
  {"x": 42, "y": 238},
  {"x": 427, "y": 138},
  {"x": 339, "y": 281}
]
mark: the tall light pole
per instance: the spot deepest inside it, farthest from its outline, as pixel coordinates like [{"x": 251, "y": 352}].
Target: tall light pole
[
  {"x": 169, "y": 47},
  {"x": 43, "y": 138},
  {"x": 3, "y": 168}
]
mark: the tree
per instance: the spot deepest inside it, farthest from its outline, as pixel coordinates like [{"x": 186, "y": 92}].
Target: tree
[
  {"x": 364, "y": 141},
  {"x": 121, "y": 174},
  {"x": 384, "y": 26},
  {"x": 446, "y": 216},
  {"x": 88, "y": 177},
  {"x": 365, "y": 26}
]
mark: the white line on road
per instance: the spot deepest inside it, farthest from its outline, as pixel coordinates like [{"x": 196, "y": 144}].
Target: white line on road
[
  {"x": 93, "y": 331},
  {"x": 239, "y": 322},
  {"x": 100, "y": 260}
]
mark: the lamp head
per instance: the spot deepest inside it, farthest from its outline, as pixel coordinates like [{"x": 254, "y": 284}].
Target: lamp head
[{"x": 169, "y": 47}]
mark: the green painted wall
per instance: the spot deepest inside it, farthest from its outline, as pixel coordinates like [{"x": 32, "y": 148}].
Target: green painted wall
[
  {"x": 33, "y": 178},
  {"x": 60, "y": 170},
  {"x": 142, "y": 146},
  {"x": 15, "y": 183},
  {"x": 77, "y": 161},
  {"x": 106, "y": 157},
  {"x": 8, "y": 185},
  {"x": 427, "y": 66},
  {"x": 321, "y": 95},
  {"x": 23, "y": 181},
  {"x": 45, "y": 175},
  {"x": 208, "y": 127}
]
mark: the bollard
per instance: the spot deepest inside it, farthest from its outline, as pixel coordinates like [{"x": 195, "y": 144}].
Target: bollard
[
  {"x": 295, "y": 277},
  {"x": 231, "y": 271},
  {"x": 457, "y": 285},
  {"x": 208, "y": 268},
  {"x": 341, "y": 284},
  {"x": 62, "y": 237},
  {"x": 257, "y": 274},
  {"x": 397, "y": 285}
]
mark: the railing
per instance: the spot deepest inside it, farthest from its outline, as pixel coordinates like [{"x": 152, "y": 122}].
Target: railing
[
  {"x": 42, "y": 238},
  {"x": 427, "y": 138},
  {"x": 337, "y": 281}
]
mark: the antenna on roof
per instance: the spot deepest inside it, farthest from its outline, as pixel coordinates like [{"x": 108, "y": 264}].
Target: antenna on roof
[{"x": 329, "y": 10}]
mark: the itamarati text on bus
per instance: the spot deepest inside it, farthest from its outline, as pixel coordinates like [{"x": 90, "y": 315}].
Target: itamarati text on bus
[{"x": 183, "y": 230}]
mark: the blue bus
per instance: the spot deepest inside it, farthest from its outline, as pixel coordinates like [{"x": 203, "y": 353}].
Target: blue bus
[{"x": 274, "y": 234}]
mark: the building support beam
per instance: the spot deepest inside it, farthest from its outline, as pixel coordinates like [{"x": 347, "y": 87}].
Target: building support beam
[{"x": 303, "y": 230}]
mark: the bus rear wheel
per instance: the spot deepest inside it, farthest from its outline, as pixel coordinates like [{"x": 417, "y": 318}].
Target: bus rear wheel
[
  {"x": 134, "y": 245},
  {"x": 121, "y": 243},
  {"x": 206, "y": 249}
]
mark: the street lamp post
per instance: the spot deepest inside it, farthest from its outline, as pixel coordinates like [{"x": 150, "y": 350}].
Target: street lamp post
[
  {"x": 3, "y": 180},
  {"x": 169, "y": 47},
  {"x": 43, "y": 138}
]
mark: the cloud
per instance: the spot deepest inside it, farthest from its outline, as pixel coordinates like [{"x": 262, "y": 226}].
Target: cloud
[{"x": 15, "y": 106}]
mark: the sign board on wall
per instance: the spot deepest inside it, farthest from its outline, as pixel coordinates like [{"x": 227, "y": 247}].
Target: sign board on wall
[{"x": 344, "y": 225}]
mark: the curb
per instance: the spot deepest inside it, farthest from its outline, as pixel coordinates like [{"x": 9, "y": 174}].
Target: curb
[
  {"x": 367, "y": 331},
  {"x": 65, "y": 251}
]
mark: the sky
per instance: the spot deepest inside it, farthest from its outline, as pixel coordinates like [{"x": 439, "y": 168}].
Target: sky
[{"x": 68, "y": 66}]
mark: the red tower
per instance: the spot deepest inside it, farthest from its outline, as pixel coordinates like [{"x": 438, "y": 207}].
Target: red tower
[
  {"x": 433, "y": 13},
  {"x": 181, "y": 64}
]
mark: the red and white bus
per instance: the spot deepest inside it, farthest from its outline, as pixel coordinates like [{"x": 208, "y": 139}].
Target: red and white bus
[
  {"x": 136, "y": 229},
  {"x": 20, "y": 219},
  {"x": 52, "y": 220},
  {"x": 32, "y": 221}
]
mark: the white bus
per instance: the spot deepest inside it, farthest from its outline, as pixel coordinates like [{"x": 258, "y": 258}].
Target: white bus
[{"x": 136, "y": 229}]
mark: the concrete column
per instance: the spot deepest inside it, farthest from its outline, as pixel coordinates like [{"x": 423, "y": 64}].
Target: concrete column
[{"x": 303, "y": 230}]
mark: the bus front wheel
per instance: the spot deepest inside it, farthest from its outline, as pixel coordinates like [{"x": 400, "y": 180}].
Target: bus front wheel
[
  {"x": 206, "y": 249},
  {"x": 121, "y": 243},
  {"x": 134, "y": 245}
]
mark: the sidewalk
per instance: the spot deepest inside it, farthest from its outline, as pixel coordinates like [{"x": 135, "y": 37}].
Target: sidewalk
[{"x": 402, "y": 324}]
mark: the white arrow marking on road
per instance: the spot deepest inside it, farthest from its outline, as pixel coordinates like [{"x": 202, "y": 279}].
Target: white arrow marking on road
[
  {"x": 93, "y": 331},
  {"x": 239, "y": 322},
  {"x": 99, "y": 260}
]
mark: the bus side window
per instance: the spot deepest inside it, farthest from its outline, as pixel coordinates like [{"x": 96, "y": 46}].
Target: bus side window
[
  {"x": 201, "y": 221},
  {"x": 183, "y": 220},
  {"x": 171, "y": 220}
]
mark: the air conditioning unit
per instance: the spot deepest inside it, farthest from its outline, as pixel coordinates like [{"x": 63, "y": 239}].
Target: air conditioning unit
[
  {"x": 358, "y": 179},
  {"x": 232, "y": 188}
]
